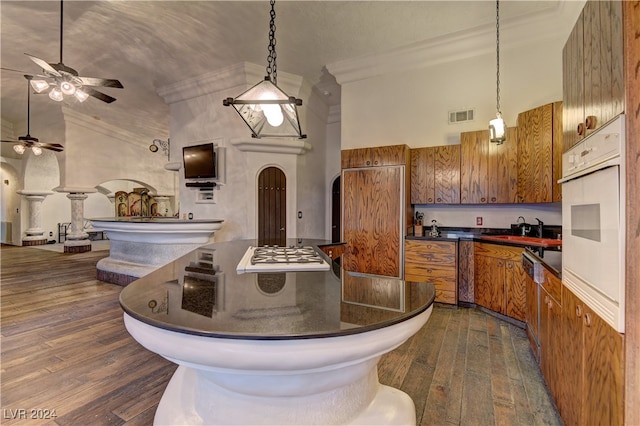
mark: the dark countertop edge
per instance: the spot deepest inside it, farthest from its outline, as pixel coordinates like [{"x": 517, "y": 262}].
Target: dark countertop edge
[
  {"x": 239, "y": 336},
  {"x": 152, "y": 219}
]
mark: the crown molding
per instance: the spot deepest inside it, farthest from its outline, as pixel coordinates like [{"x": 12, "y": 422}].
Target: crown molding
[
  {"x": 98, "y": 126},
  {"x": 552, "y": 23},
  {"x": 274, "y": 146}
]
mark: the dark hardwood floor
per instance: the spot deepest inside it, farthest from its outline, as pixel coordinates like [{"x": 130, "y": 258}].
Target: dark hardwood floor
[{"x": 65, "y": 350}]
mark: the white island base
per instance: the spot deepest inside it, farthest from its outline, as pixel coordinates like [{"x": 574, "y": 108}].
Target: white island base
[{"x": 319, "y": 381}]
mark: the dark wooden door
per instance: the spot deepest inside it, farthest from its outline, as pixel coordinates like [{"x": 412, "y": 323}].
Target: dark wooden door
[
  {"x": 336, "y": 209},
  {"x": 272, "y": 207}
]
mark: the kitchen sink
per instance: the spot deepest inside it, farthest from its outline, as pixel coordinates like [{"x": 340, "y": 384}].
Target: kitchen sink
[{"x": 529, "y": 241}]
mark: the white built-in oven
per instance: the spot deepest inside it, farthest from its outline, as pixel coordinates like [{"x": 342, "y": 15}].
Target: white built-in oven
[{"x": 593, "y": 221}]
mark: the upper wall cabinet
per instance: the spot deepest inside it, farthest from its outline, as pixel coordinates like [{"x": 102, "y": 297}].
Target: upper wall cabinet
[
  {"x": 540, "y": 154},
  {"x": 393, "y": 155},
  {"x": 592, "y": 63},
  {"x": 435, "y": 175},
  {"x": 488, "y": 171}
]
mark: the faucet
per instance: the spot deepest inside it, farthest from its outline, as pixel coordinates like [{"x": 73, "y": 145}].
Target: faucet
[
  {"x": 524, "y": 228},
  {"x": 540, "y": 225},
  {"x": 434, "y": 229}
]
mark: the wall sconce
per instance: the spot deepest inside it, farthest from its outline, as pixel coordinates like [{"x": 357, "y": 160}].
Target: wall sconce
[{"x": 160, "y": 144}]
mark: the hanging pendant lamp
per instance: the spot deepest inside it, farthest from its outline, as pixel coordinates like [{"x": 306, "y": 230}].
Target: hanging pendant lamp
[
  {"x": 265, "y": 108},
  {"x": 497, "y": 128}
]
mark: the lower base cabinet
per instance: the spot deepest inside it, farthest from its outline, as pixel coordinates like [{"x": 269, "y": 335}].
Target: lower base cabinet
[
  {"x": 436, "y": 262},
  {"x": 500, "y": 279},
  {"x": 592, "y": 367},
  {"x": 551, "y": 346}
]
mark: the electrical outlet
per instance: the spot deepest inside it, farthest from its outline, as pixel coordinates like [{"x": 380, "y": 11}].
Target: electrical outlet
[{"x": 479, "y": 220}]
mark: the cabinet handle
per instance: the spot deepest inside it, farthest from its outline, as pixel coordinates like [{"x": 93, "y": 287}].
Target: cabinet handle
[
  {"x": 587, "y": 319},
  {"x": 580, "y": 129},
  {"x": 429, "y": 270},
  {"x": 375, "y": 162},
  {"x": 591, "y": 122},
  {"x": 368, "y": 163},
  {"x": 439, "y": 199},
  {"x": 510, "y": 265},
  {"x": 483, "y": 199},
  {"x": 578, "y": 311},
  {"x": 493, "y": 199},
  {"x": 430, "y": 200}
]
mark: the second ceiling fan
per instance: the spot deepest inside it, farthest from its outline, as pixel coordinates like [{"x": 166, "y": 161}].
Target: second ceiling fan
[{"x": 61, "y": 80}]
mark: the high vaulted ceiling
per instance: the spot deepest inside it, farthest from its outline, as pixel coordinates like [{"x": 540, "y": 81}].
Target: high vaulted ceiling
[{"x": 150, "y": 44}]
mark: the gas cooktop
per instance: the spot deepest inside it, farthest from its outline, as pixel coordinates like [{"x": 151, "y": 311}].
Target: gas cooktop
[{"x": 277, "y": 258}]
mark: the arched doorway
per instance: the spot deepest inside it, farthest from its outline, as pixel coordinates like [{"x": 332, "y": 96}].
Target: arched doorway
[
  {"x": 336, "y": 211},
  {"x": 272, "y": 207}
]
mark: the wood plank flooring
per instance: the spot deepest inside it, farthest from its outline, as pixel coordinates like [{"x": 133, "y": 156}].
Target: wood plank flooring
[{"x": 65, "y": 348}]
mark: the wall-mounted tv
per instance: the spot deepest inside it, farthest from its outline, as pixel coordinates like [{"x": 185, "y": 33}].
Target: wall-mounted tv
[{"x": 199, "y": 161}]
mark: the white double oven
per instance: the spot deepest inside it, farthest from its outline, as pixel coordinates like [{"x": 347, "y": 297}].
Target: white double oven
[{"x": 593, "y": 217}]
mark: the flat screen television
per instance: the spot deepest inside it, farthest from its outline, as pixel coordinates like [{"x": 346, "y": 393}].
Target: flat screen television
[{"x": 199, "y": 161}]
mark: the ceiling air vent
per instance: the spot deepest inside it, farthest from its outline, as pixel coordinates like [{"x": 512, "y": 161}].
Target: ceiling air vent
[{"x": 461, "y": 116}]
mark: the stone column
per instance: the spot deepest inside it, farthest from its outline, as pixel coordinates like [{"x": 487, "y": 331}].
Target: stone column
[
  {"x": 77, "y": 240},
  {"x": 34, "y": 233}
]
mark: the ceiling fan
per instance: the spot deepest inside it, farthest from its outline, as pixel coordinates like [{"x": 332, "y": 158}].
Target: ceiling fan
[
  {"x": 62, "y": 80},
  {"x": 28, "y": 141}
]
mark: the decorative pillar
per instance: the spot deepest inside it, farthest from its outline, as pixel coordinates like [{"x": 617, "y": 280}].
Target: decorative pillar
[
  {"x": 162, "y": 201},
  {"x": 34, "y": 233},
  {"x": 77, "y": 240}
]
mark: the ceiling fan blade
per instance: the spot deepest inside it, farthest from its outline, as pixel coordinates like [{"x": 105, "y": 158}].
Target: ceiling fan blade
[
  {"x": 101, "y": 82},
  {"x": 8, "y": 141},
  {"x": 52, "y": 146},
  {"x": 25, "y": 73},
  {"x": 98, "y": 95},
  {"x": 44, "y": 65}
]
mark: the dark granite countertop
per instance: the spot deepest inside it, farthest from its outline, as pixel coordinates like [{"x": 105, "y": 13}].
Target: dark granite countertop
[{"x": 201, "y": 293}]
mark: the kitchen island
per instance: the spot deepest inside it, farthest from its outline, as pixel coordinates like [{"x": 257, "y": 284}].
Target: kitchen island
[
  {"x": 138, "y": 244},
  {"x": 274, "y": 348}
]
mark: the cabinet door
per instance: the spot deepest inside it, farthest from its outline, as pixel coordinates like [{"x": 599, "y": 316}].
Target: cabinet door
[
  {"x": 489, "y": 282},
  {"x": 603, "y": 388},
  {"x": 474, "y": 167},
  {"x": 551, "y": 344},
  {"x": 603, "y": 75},
  {"x": 392, "y": 155},
  {"x": 447, "y": 174},
  {"x": 535, "y": 155},
  {"x": 503, "y": 169},
  {"x": 573, "y": 86},
  {"x": 572, "y": 361},
  {"x": 515, "y": 290},
  {"x": 372, "y": 219},
  {"x": 532, "y": 314},
  {"x": 423, "y": 176}
]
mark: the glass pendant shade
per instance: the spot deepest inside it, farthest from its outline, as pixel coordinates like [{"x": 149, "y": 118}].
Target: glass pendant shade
[
  {"x": 268, "y": 111},
  {"x": 39, "y": 85},
  {"x": 497, "y": 130},
  {"x": 19, "y": 149},
  {"x": 81, "y": 95},
  {"x": 36, "y": 150},
  {"x": 56, "y": 94}
]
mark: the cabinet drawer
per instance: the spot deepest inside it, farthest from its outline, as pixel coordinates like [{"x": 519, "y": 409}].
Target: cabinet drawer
[
  {"x": 427, "y": 250},
  {"x": 499, "y": 251},
  {"x": 444, "y": 284},
  {"x": 552, "y": 285}
]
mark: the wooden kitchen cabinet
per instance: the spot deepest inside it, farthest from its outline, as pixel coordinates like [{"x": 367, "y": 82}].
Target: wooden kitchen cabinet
[
  {"x": 500, "y": 279},
  {"x": 592, "y": 63},
  {"x": 393, "y": 155},
  {"x": 435, "y": 175},
  {"x": 540, "y": 154},
  {"x": 488, "y": 171},
  {"x": 436, "y": 262},
  {"x": 591, "y": 364},
  {"x": 532, "y": 315},
  {"x": 375, "y": 211},
  {"x": 550, "y": 334}
]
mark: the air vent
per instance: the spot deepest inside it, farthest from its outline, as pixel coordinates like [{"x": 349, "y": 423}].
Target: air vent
[{"x": 461, "y": 116}]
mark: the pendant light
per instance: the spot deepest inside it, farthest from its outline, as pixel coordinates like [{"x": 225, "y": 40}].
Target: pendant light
[
  {"x": 497, "y": 128},
  {"x": 265, "y": 108}
]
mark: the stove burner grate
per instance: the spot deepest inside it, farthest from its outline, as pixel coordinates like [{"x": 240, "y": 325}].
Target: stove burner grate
[{"x": 290, "y": 254}]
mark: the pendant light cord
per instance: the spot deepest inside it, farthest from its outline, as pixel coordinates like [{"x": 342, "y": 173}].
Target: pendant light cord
[
  {"x": 498, "y": 56},
  {"x": 272, "y": 71},
  {"x": 61, "y": 11}
]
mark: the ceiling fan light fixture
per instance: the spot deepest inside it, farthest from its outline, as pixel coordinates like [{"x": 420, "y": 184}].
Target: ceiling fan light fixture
[
  {"x": 36, "y": 150},
  {"x": 19, "y": 149},
  {"x": 265, "y": 108},
  {"x": 39, "y": 85},
  {"x": 56, "y": 95},
  {"x": 67, "y": 88},
  {"x": 81, "y": 95}
]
